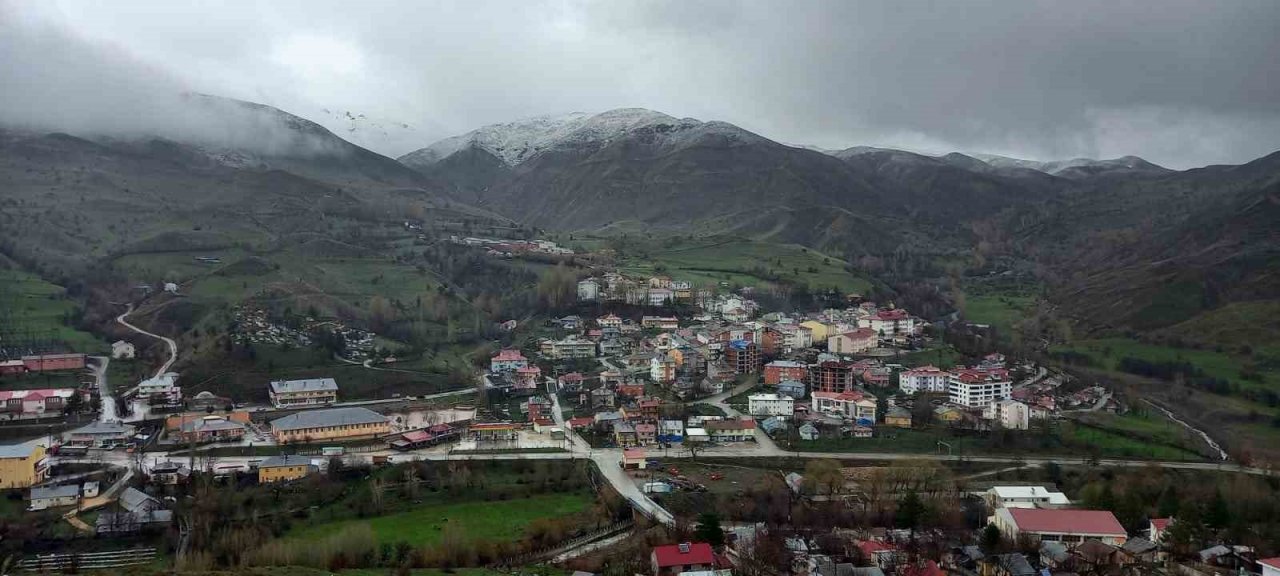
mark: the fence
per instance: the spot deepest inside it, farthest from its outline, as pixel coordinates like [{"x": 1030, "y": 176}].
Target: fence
[
  {"x": 87, "y": 560},
  {"x": 558, "y": 549}
]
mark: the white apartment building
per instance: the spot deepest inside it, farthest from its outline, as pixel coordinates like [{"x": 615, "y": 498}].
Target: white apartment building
[
  {"x": 974, "y": 388},
  {"x": 924, "y": 379},
  {"x": 847, "y": 405},
  {"x": 1010, "y": 414},
  {"x": 771, "y": 405}
]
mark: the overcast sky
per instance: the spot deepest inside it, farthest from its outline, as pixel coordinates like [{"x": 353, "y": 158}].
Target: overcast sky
[{"x": 1181, "y": 83}]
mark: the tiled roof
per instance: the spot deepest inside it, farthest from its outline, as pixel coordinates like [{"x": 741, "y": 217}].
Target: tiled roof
[
  {"x": 668, "y": 556},
  {"x": 311, "y": 385},
  {"x": 1060, "y": 521},
  {"x": 325, "y": 418}
]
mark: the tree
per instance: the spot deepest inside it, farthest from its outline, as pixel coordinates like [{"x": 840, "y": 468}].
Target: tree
[
  {"x": 991, "y": 538},
  {"x": 1168, "y": 503},
  {"x": 709, "y": 530},
  {"x": 1217, "y": 515},
  {"x": 822, "y": 477},
  {"x": 911, "y": 511}
]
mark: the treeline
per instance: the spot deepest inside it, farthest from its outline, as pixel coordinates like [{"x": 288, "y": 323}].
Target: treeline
[{"x": 1192, "y": 375}]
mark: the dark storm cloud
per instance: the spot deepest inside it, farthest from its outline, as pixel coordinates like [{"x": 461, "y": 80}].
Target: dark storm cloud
[{"x": 1181, "y": 83}]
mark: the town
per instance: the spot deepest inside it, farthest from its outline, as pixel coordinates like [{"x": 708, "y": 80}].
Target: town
[{"x": 689, "y": 404}]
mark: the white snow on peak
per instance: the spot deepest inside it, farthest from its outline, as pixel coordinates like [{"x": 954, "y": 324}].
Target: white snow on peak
[{"x": 515, "y": 142}]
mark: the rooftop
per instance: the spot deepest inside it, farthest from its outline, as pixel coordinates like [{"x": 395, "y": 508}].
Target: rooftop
[
  {"x": 683, "y": 554},
  {"x": 310, "y": 385},
  {"x": 330, "y": 417},
  {"x": 285, "y": 460},
  {"x": 64, "y": 491},
  {"x": 1060, "y": 521}
]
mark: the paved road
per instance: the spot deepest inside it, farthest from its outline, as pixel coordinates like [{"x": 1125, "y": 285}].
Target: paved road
[
  {"x": 173, "y": 346},
  {"x": 109, "y": 413},
  {"x": 766, "y": 445}
]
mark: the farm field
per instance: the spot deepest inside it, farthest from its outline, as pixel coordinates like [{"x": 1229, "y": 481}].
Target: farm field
[
  {"x": 31, "y": 306},
  {"x": 1001, "y": 311},
  {"x": 428, "y": 524},
  {"x": 747, "y": 263}
]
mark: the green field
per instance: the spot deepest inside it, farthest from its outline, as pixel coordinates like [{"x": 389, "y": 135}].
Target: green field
[
  {"x": 1107, "y": 353},
  {"x": 1001, "y": 311},
  {"x": 1113, "y": 445},
  {"x": 495, "y": 521},
  {"x": 743, "y": 263},
  {"x": 34, "y": 307},
  {"x": 943, "y": 356}
]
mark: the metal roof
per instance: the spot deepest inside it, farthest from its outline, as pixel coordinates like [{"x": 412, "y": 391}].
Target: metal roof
[
  {"x": 311, "y": 385},
  {"x": 329, "y": 417}
]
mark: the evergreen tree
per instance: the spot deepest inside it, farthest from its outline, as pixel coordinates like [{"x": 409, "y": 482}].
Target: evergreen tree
[
  {"x": 1168, "y": 504},
  {"x": 1217, "y": 515},
  {"x": 911, "y": 511},
  {"x": 709, "y": 530}
]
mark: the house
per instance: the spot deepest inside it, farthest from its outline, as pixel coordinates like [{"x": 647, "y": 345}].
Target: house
[
  {"x": 660, "y": 296},
  {"x": 634, "y": 459},
  {"x": 670, "y": 430},
  {"x": 349, "y": 423},
  {"x": 772, "y": 425},
  {"x": 792, "y": 388},
  {"x": 737, "y": 430},
  {"x": 781, "y": 370},
  {"x": 121, "y": 350},
  {"x": 609, "y": 321},
  {"x": 571, "y": 382},
  {"x": 852, "y": 342},
  {"x": 1270, "y": 566},
  {"x": 976, "y": 388},
  {"x": 770, "y": 405},
  {"x": 536, "y": 408},
  {"x": 603, "y": 398},
  {"x": 54, "y": 497},
  {"x": 819, "y": 331},
  {"x": 683, "y": 557},
  {"x": 35, "y": 402},
  {"x": 285, "y": 468},
  {"x": 139, "y": 512},
  {"x": 646, "y": 433},
  {"x": 1024, "y": 497},
  {"x": 846, "y": 405},
  {"x": 429, "y": 436},
  {"x": 588, "y": 290},
  {"x": 99, "y": 434},
  {"x": 570, "y": 322},
  {"x": 169, "y": 473},
  {"x": 162, "y": 389},
  {"x": 90, "y": 489},
  {"x": 1157, "y": 529},
  {"x": 1009, "y": 414},
  {"x": 507, "y": 360},
  {"x": 1068, "y": 526},
  {"x": 210, "y": 429},
  {"x": 493, "y": 431},
  {"x": 882, "y": 555},
  {"x": 650, "y": 408},
  {"x": 897, "y": 417},
  {"x": 923, "y": 379},
  {"x": 660, "y": 322},
  {"x": 890, "y": 324},
  {"x": 1097, "y": 555},
  {"x": 695, "y": 435},
  {"x": 568, "y": 348},
  {"x": 311, "y": 392},
  {"x": 921, "y": 568},
  {"x": 1007, "y": 565},
  {"x": 948, "y": 414},
  {"x": 1140, "y": 550},
  {"x": 624, "y": 434}
]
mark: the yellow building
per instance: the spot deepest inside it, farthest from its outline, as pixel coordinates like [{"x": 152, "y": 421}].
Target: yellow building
[
  {"x": 948, "y": 414},
  {"x": 22, "y": 465},
  {"x": 820, "y": 331},
  {"x": 898, "y": 418},
  {"x": 284, "y": 469},
  {"x": 353, "y": 423}
]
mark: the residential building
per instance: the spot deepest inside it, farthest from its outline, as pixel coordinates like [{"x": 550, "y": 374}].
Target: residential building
[
  {"x": 22, "y": 465},
  {"x": 349, "y": 423},
  {"x": 210, "y": 428},
  {"x": 646, "y": 433},
  {"x": 976, "y": 388},
  {"x": 588, "y": 290},
  {"x": 1270, "y": 566},
  {"x": 162, "y": 388},
  {"x": 508, "y": 360},
  {"x": 121, "y": 350},
  {"x": 1157, "y": 529},
  {"x": 634, "y": 459},
  {"x": 609, "y": 321},
  {"x": 660, "y": 322},
  {"x": 736, "y": 430},
  {"x": 770, "y": 405},
  {"x": 675, "y": 559},
  {"x": 898, "y": 417},
  {"x": 818, "y": 331},
  {"x": 528, "y": 378},
  {"x": 285, "y": 468},
  {"x": 1008, "y": 565},
  {"x": 660, "y": 296},
  {"x": 169, "y": 473},
  {"x": 54, "y": 497},
  {"x": 141, "y": 512},
  {"x": 743, "y": 357},
  {"x": 779, "y": 370},
  {"x": 831, "y": 376},
  {"x": 793, "y": 388},
  {"x": 568, "y": 348},
  {"x": 847, "y": 405},
  {"x": 311, "y": 392},
  {"x": 890, "y": 324},
  {"x": 809, "y": 432},
  {"x": 948, "y": 414},
  {"x": 1024, "y": 497},
  {"x": 924, "y": 379},
  {"x": 662, "y": 368},
  {"x": 853, "y": 342},
  {"x": 1068, "y": 526},
  {"x": 624, "y": 434},
  {"x": 1009, "y": 414},
  {"x": 99, "y": 434},
  {"x": 34, "y": 403}
]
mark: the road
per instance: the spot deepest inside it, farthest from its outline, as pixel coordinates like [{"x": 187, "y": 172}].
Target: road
[
  {"x": 766, "y": 445},
  {"x": 173, "y": 346},
  {"x": 109, "y": 413}
]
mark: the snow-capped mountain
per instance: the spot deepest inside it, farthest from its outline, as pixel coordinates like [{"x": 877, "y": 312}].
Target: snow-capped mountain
[
  {"x": 516, "y": 142},
  {"x": 1075, "y": 166}
]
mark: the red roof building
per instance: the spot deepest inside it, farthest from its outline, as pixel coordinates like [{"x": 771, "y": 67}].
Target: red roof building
[
  {"x": 683, "y": 557},
  {"x": 1066, "y": 525}
]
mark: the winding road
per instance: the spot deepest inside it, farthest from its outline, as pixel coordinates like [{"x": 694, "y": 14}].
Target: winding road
[{"x": 173, "y": 346}]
